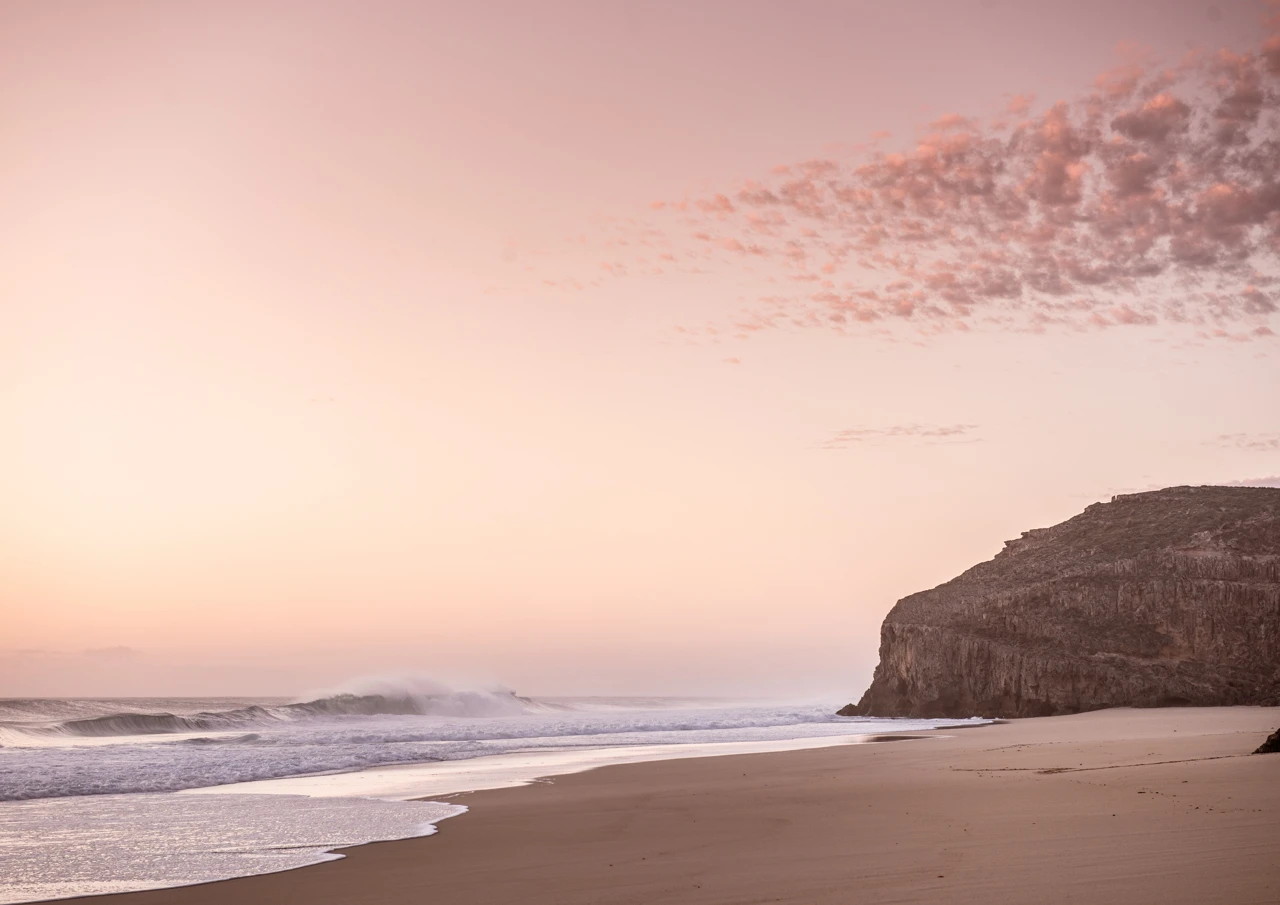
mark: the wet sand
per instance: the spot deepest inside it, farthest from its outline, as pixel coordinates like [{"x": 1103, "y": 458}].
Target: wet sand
[{"x": 1119, "y": 806}]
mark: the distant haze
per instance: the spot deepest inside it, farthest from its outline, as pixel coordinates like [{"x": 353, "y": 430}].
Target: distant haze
[{"x": 355, "y": 339}]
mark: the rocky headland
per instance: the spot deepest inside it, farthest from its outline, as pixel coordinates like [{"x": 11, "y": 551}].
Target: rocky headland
[{"x": 1154, "y": 599}]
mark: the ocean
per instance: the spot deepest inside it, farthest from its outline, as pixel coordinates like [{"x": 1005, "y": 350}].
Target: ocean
[{"x": 101, "y": 796}]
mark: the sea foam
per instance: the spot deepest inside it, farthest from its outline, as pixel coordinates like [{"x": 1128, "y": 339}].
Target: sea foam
[{"x": 115, "y": 843}]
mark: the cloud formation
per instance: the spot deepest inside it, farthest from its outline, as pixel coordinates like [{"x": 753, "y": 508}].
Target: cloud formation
[
  {"x": 1256, "y": 482},
  {"x": 920, "y": 432},
  {"x": 1257, "y": 442},
  {"x": 1151, "y": 198}
]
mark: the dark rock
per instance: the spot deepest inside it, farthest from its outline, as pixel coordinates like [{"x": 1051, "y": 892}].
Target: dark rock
[
  {"x": 1169, "y": 598},
  {"x": 848, "y": 710},
  {"x": 1271, "y": 745}
]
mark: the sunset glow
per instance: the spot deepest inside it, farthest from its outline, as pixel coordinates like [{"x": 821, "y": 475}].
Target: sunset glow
[{"x": 594, "y": 348}]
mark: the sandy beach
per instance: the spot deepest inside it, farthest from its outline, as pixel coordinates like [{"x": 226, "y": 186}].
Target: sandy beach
[{"x": 1117, "y": 806}]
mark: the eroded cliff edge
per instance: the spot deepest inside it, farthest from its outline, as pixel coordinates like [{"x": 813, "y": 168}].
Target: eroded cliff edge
[{"x": 1153, "y": 599}]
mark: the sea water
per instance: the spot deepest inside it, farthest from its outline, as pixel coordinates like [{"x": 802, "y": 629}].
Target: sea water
[{"x": 112, "y": 795}]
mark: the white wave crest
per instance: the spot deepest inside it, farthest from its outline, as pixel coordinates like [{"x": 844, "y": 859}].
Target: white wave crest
[{"x": 417, "y": 693}]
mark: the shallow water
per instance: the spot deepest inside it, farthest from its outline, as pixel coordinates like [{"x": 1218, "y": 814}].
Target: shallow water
[{"x": 62, "y": 847}]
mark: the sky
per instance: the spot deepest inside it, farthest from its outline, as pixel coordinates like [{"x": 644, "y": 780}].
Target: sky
[{"x": 601, "y": 348}]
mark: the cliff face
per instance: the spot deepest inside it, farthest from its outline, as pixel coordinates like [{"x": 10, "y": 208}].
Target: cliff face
[{"x": 1153, "y": 599}]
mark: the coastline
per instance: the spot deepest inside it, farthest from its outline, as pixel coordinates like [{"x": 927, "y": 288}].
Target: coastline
[
  {"x": 1109, "y": 807},
  {"x": 435, "y": 780},
  {"x": 1124, "y": 806},
  {"x": 147, "y": 812}
]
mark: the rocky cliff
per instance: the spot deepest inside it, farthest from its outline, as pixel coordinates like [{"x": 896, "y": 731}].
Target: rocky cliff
[{"x": 1163, "y": 598}]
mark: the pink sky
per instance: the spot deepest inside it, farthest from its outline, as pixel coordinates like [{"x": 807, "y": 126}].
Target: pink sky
[{"x": 601, "y": 348}]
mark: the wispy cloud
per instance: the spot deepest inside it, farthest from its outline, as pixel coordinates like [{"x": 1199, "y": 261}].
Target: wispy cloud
[
  {"x": 1256, "y": 482},
  {"x": 1259, "y": 442},
  {"x": 924, "y": 433},
  {"x": 1153, "y": 197}
]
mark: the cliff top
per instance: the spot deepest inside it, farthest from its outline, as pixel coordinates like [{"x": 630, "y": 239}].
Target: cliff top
[{"x": 1196, "y": 521}]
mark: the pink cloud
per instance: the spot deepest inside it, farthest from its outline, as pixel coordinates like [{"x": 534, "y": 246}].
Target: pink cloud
[
  {"x": 923, "y": 433},
  {"x": 951, "y": 121},
  {"x": 1020, "y": 104},
  {"x": 717, "y": 204},
  {"x": 1151, "y": 198}
]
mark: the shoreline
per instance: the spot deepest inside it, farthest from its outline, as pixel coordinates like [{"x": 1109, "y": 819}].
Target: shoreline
[
  {"x": 216, "y": 833},
  {"x": 425, "y": 781},
  {"x": 1124, "y": 806}
]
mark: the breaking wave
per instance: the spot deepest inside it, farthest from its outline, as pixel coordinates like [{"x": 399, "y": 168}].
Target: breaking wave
[
  {"x": 412, "y": 696},
  {"x": 149, "y": 723},
  {"x": 62, "y": 748},
  {"x": 57, "y": 767}
]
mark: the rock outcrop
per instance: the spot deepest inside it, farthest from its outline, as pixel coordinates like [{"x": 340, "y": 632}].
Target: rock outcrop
[
  {"x": 1271, "y": 745},
  {"x": 1163, "y": 598}
]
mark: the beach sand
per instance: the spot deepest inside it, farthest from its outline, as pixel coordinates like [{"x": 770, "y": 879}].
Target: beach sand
[{"x": 1118, "y": 806}]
